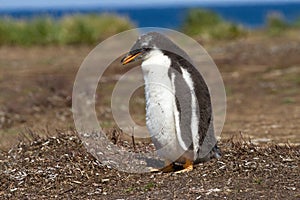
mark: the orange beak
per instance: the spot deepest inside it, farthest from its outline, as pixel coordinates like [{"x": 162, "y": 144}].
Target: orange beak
[{"x": 130, "y": 58}]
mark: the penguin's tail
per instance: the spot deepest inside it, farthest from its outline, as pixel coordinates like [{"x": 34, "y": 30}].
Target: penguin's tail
[{"x": 216, "y": 152}]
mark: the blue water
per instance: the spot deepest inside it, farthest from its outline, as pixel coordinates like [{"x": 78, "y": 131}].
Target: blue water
[{"x": 251, "y": 16}]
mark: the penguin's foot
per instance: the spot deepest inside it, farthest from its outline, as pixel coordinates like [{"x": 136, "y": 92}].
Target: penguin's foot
[
  {"x": 153, "y": 170},
  {"x": 187, "y": 167},
  {"x": 169, "y": 167},
  {"x": 172, "y": 167}
]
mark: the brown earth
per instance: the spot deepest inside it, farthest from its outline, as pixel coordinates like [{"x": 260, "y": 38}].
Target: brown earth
[
  {"x": 262, "y": 80},
  {"x": 60, "y": 167}
]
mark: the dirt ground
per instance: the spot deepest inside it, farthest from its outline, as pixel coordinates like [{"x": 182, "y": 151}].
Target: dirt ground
[
  {"x": 262, "y": 80},
  {"x": 60, "y": 167}
]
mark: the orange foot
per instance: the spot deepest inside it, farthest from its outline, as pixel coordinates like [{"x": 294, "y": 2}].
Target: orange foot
[
  {"x": 169, "y": 167},
  {"x": 187, "y": 167}
]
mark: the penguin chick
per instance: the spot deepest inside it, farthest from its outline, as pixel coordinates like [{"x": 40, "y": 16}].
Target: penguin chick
[{"x": 178, "y": 106}]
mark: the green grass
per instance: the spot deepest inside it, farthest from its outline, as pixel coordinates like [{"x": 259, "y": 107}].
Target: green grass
[
  {"x": 228, "y": 91},
  {"x": 276, "y": 25},
  {"x": 149, "y": 186},
  {"x": 75, "y": 29},
  {"x": 146, "y": 187},
  {"x": 296, "y": 23},
  {"x": 130, "y": 189},
  {"x": 297, "y": 79},
  {"x": 94, "y": 28},
  {"x": 288, "y": 100},
  {"x": 258, "y": 181},
  {"x": 210, "y": 26}
]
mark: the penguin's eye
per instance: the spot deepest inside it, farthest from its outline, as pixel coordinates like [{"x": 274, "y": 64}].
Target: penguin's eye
[{"x": 146, "y": 49}]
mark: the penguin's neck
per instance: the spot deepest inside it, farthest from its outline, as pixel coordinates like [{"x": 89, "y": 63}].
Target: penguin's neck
[
  {"x": 156, "y": 65},
  {"x": 155, "y": 70}
]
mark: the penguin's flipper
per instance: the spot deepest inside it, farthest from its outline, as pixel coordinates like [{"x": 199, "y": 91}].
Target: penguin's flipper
[{"x": 187, "y": 167}]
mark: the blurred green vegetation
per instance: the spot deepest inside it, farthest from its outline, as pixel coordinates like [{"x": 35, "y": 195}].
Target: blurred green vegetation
[
  {"x": 93, "y": 28},
  {"x": 75, "y": 29},
  {"x": 296, "y": 23},
  {"x": 210, "y": 25},
  {"x": 276, "y": 24}
]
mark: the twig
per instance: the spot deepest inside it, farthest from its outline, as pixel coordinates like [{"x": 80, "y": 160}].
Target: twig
[
  {"x": 116, "y": 133},
  {"x": 120, "y": 132},
  {"x": 242, "y": 137},
  {"x": 2, "y": 150},
  {"x": 114, "y": 137},
  {"x": 132, "y": 138},
  {"x": 47, "y": 130},
  {"x": 23, "y": 137}
]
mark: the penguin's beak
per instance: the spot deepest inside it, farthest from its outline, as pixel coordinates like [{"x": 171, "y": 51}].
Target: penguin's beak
[{"x": 130, "y": 58}]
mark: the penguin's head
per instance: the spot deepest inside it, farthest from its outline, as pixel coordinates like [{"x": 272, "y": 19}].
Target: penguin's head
[
  {"x": 141, "y": 50},
  {"x": 142, "y": 47}
]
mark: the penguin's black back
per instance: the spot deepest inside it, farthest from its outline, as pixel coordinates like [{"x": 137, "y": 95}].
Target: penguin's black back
[{"x": 184, "y": 100}]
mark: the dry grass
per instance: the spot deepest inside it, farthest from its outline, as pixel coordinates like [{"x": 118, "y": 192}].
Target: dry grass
[{"x": 60, "y": 167}]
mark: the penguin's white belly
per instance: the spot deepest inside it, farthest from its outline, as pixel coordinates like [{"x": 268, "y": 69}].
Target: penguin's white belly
[
  {"x": 159, "y": 113},
  {"x": 160, "y": 100}
]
